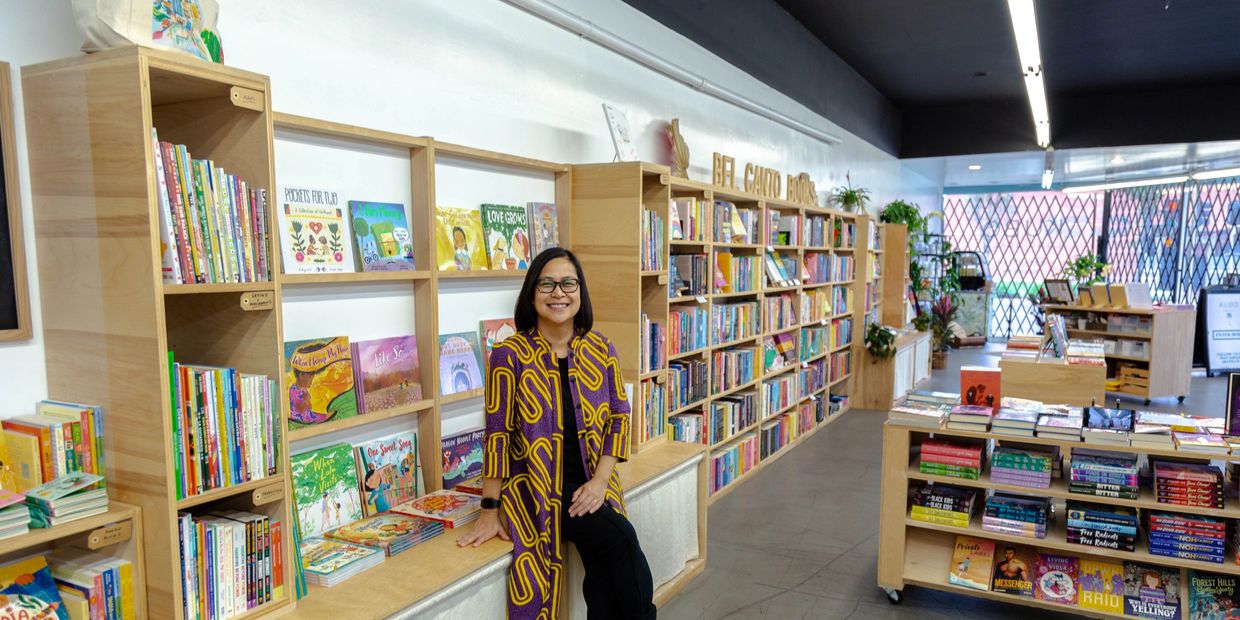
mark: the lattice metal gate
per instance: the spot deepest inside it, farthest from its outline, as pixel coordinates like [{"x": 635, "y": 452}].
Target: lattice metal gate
[
  {"x": 1142, "y": 239},
  {"x": 1211, "y": 237}
]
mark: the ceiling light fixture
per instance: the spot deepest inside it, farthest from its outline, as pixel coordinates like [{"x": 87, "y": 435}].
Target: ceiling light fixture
[
  {"x": 1117, "y": 160},
  {"x": 1216, "y": 174},
  {"x": 1048, "y": 168},
  {"x": 1025, "y": 27},
  {"x": 1124, "y": 184},
  {"x": 975, "y": 167}
]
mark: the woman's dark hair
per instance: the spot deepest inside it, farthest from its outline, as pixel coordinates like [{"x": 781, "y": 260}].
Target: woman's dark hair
[{"x": 524, "y": 314}]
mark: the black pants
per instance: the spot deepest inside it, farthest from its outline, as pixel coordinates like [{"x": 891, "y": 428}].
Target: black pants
[{"x": 618, "y": 583}]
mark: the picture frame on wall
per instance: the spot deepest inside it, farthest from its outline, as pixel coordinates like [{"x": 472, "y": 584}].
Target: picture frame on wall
[
  {"x": 1232, "y": 420},
  {"x": 14, "y": 294}
]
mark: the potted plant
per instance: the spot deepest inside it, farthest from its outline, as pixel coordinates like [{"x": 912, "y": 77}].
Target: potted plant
[
  {"x": 1085, "y": 270},
  {"x": 849, "y": 198},
  {"x": 880, "y": 341},
  {"x": 942, "y": 313}
]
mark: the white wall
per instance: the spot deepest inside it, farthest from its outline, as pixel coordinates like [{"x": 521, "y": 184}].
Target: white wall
[{"x": 477, "y": 72}]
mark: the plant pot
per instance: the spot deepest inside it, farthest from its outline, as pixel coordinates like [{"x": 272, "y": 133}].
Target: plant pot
[{"x": 938, "y": 360}]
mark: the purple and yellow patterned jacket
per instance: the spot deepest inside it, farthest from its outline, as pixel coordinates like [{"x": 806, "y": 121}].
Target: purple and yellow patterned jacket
[{"x": 524, "y": 435}]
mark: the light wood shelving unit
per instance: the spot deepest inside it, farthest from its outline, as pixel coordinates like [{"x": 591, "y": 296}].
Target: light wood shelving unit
[
  {"x": 896, "y": 280},
  {"x": 1168, "y": 345},
  {"x": 917, "y": 553}
]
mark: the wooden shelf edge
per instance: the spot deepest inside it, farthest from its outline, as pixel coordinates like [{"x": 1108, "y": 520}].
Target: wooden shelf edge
[
  {"x": 460, "y": 396},
  {"x": 943, "y": 586},
  {"x": 361, "y": 419},
  {"x": 211, "y": 289},
  {"x": 301, "y": 279},
  {"x": 117, "y": 512},
  {"x": 226, "y": 492},
  {"x": 504, "y": 274}
]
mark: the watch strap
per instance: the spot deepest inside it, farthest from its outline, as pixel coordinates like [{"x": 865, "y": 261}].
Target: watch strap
[{"x": 490, "y": 503}]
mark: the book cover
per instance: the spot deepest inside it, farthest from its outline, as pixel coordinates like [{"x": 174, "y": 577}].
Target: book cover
[
  {"x": 507, "y": 239},
  {"x": 1102, "y": 586},
  {"x": 460, "y": 363},
  {"x": 458, "y": 239},
  {"x": 24, "y": 460},
  {"x": 1151, "y": 591},
  {"x": 387, "y": 469},
  {"x": 1014, "y": 568},
  {"x": 387, "y": 374},
  {"x": 979, "y": 386},
  {"x": 1212, "y": 596},
  {"x": 313, "y": 233},
  {"x": 62, "y": 487},
  {"x": 324, "y": 556},
  {"x": 971, "y": 562},
  {"x": 325, "y": 488},
  {"x": 1110, "y": 419},
  {"x": 384, "y": 242},
  {"x": 462, "y": 457},
  {"x": 10, "y": 476},
  {"x": 27, "y": 590},
  {"x": 320, "y": 381},
  {"x": 392, "y": 532},
  {"x": 544, "y": 227},
  {"x": 473, "y": 486},
  {"x": 1056, "y": 579},
  {"x": 494, "y": 331},
  {"x": 448, "y": 507}
]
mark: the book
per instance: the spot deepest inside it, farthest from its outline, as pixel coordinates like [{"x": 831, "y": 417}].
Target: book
[
  {"x": 452, "y": 508},
  {"x": 458, "y": 239},
  {"x": 383, "y": 239},
  {"x": 10, "y": 479},
  {"x": 320, "y": 381},
  {"x": 544, "y": 227},
  {"x": 979, "y": 385},
  {"x": 386, "y": 373},
  {"x": 1057, "y": 579},
  {"x": 1151, "y": 591},
  {"x": 1102, "y": 586},
  {"x": 24, "y": 459},
  {"x": 60, "y": 491},
  {"x": 1212, "y": 596},
  {"x": 506, "y": 235},
  {"x": 493, "y": 332},
  {"x": 390, "y": 531},
  {"x": 327, "y": 562},
  {"x": 325, "y": 488},
  {"x": 1014, "y": 570},
  {"x": 1200, "y": 442},
  {"x": 1103, "y": 418},
  {"x": 27, "y": 590},
  {"x": 314, "y": 235},
  {"x": 387, "y": 469},
  {"x": 473, "y": 486},
  {"x": 971, "y": 562},
  {"x": 462, "y": 456},
  {"x": 460, "y": 363}
]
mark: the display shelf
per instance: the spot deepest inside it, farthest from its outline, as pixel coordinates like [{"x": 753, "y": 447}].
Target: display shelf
[
  {"x": 117, "y": 513},
  {"x": 818, "y": 284},
  {"x": 680, "y": 356},
  {"x": 771, "y": 373},
  {"x": 786, "y": 409},
  {"x": 843, "y": 347},
  {"x": 736, "y": 294},
  {"x": 227, "y": 492},
  {"x": 781, "y": 289},
  {"x": 840, "y": 380},
  {"x": 815, "y": 358},
  {"x": 1105, "y": 334},
  {"x": 461, "y": 396},
  {"x": 362, "y": 419},
  {"x": 652, "y": 374},
  {"x": 848, "y": 250},
  {"x": 738, "y": 341},
  {"x": 733, "y": 390},
  {"x": 348, "y": 278},
  {"x": 508, "y": 274},
  {"x": 659, "y": 272},
  {"x": 692, "y": 299},
  {"x": 208, "y": 289},
  {"x": 730, "y": 439},
  {"x": 689, "y": 407}
]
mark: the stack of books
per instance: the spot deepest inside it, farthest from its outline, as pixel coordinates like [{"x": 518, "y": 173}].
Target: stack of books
[
  {"x": 943, "y": 505},
  {"x": 100, "y": 585},
  {"x": 14, "y": 514},
  {"x": 473, "y": 486},
  {"x": 1187, "y": 537},
  {"x": 1152, "y": 429},
  {"x": 1101, "y": 525},
  {"x": 1104, "y": 474},
  {"x": 918, "y": 413},
  {"x": 1017, "y": 422},
  {"x": 1016, "y": 515},
  {"x": 329, "y": 562},
  {"x": 970, "y": 418},
  {"x": 1063, "y": 426},
  {"x": 1021, "y": 467},
  {"x": 67, "y": 498},
  {"x": 391, "y": 532},
  {"x": 231, "y": 562},
  {"x": 1109, "y": 426},
  {"x": 1205, "y": 443},
  {"x": 451, "y": 508},
  {"x": 1199, "y": 485},
  {"x": 1086, "y": 353},
  {"x": 951, "y": 459}
]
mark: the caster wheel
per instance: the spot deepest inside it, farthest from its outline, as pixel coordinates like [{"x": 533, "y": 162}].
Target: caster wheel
[
  {"x": 895, "y": 597},
  {"x": 1180, "y": 400},
  {"x": 1147, "y": 402}
]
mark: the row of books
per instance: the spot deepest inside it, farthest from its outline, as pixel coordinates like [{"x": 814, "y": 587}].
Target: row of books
[
  {"x": 842, "y": 300},
  {"x": 72, "y": 583},
  {"x": 734, "y": 224},
  {"x": 783, "y": 228},
  {"x": 778, "y": 351},
  {"x": 731, "y": 368},
  {"x": 780, "y": 393},
  {"x": 688, "y": 382},
  {"x": 734, "y": 321},
  {"x": 1023, "y": 466},
  {"x": 783, "y": 430},
  {"x": 845, "y": 234},
  {"x": 654, "y": 347},
  {"x": 689, "y": 275},
  {"x": 841, "y": 332},
  {"x": 841, "y": 365},
  {"x": 818, "y": 268},
  {"x": 815, "y": 305},
  {"x": 654, "y": 409},
  {"x": 497, "y": 237},
  {"x": 687, "y": 329},
  {"x": 652, "y": 241},
  {"x": 813, "y": 377},
  {"x": 814, "y": 341},
  {"x": 779, "y": 312},
  {"x": 845, "y": 268},
  {"x": 1102, "y": 525},
  {"x": 943, "y": 505},
  {"x": 816, "y": 231},
  {"x": 733, "y": 462},
  {"x": 60, "y": 438},
  {"x": 688, "y": 218},
  {"x": 954, "y": 459},
  {"x": 231, "y": 562},
  {"x": 1016, "y": 515},
  {"x": 726, "y": 417},
  {"x": 736, "y": 273}
]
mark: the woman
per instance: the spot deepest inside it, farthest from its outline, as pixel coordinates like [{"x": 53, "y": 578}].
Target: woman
[{"x": 549, "y": 489}]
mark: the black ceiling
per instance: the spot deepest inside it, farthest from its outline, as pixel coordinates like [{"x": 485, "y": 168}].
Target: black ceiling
[{"x": 925, "y": 78}]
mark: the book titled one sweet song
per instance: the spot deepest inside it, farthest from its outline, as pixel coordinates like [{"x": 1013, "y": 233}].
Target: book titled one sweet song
[{"x": 387, "y": 469}]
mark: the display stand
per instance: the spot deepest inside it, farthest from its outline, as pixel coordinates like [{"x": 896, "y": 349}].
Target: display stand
[
  {"x": 888, "y": 380},
  {"x": 917, "y": 553},
  {"x": 1081, "y": 385}
]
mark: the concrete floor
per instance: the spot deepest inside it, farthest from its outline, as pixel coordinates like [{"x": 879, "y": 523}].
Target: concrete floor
[{"x": 800, "y": 539}]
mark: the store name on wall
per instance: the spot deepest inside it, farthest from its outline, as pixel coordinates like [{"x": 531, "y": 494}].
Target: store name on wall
[{"x": 766, "y": 182}]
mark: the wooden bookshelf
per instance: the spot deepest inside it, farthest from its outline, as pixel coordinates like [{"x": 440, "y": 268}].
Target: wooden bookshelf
[
  {"x": 108, "y": 320},
  {"x": 896, "y": 279},
  {"x": 919, "y": 553}
]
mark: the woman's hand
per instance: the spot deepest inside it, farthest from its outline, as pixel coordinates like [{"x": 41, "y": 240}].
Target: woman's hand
[
  {"x": 487, "y": 526},
  {"x": 589, "y": 497}
]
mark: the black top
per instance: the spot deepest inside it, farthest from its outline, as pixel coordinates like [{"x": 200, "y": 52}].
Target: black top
[{"x": 572, "y": 465}]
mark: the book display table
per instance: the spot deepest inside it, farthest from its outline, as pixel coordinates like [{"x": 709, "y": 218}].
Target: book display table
[{"x": 1071, "y": 384}]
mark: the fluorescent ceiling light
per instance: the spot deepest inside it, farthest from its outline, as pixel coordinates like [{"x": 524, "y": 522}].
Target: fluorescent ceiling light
[
  {"x": 1216, "y": 174},
  {"x": 1048, "y": 177},
  {"x": 975, "y": 167},
  {"x": 1118, "y": 159},
  {"x": 1123, "y": 184},
  {"x": 1025, "y": 27}
]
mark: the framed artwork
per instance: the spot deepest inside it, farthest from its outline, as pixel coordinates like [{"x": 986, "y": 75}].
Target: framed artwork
[
  {"x": 14, "y": 296},
  {"x": 1232, "y": 421},
  {"x": 1059, "y": 291}
]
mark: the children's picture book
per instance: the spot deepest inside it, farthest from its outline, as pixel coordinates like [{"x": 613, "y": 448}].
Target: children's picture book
[
  {"x": 460, "y": 363},
  {"x": 544, "y": 227},
  {"x": 971, "y": 562},
  {"x": 24, "y": 460},
  {"x": 1056, "y": 579},
  {"x": 507, "y": 238},
  {"x": 1102, "y": 586},
  {"x": 458, "y": 239},
  {"x": 1110, "y": 419},
  {"x": 494, "y": 331},
  {"x": 1014, "y": 569},
  {"x": 1151, "y": 591},
  {"x": 452, "y": 508},
  {"x": 618, "y": 124},
  {"x": 320, "y": 380},
  {"x": 1212, "y": 596},
  {"x": 392, "y": 532},
  {"x": 979, "y": 385},
  {"x": 462, "y": 457},
  {"x": 386, "y": 373},
  {"x": 64, "y": 486},
  {"x": 325, "y": 488},
  {"x": 324, "y": 556},
  {"x": 27, "y": 590},
  {"x": 388, "y": 471},
  {"x": 384, "y": 242},
  {"x": 10, "y": 478},
  {"x": 314, "y": 236},
  {"x": 473, "y": 486}
]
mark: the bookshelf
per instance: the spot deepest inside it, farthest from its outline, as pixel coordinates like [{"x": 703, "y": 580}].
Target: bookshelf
[
  {"x": 1152, "y": 354},
  {"x": 610, "y": 202},
  {"x": 896, "y": 280},
  {"x": 918, "y": 553}
]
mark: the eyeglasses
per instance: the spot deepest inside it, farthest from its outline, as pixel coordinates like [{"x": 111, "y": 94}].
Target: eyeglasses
[{"x": 567, "y": 285}]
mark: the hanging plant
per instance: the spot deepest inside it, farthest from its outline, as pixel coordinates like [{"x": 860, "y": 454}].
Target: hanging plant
[{"x": 880, "y": 341}]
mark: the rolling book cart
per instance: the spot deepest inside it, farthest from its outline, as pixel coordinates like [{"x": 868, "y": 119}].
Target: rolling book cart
[{"x": 913, "y": 552}]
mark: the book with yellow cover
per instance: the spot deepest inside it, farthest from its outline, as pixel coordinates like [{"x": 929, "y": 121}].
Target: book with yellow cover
[
  {"x": 458, "y": 239},
  {"x": 1102, "y": 586},
  {"x": 972, "y": 559}
]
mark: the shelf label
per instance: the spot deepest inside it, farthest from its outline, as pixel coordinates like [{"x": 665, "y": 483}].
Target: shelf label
[
  {"x": 248, "y": 98},
  {"x": 665, "y": 179},
  {"x": 109, "y": 535},
  {"x": 258, "y": 300},
  {"x": 660, "y": 379},
  {"x": 268, "y": 494},
  {"x": 770, "y": 248},
  {"x": 824, "y": 322},
  {"x": 804, "y": 364},
  {"x": 700, "y": 299},
  {"x": 663, "y": 278}
]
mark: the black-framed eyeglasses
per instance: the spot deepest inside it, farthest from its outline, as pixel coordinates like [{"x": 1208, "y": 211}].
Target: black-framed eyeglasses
[{"x": 567, "y": 285}]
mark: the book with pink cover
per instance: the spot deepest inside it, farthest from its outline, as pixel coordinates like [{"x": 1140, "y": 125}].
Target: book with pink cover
[{"x": 386, "y": 373}]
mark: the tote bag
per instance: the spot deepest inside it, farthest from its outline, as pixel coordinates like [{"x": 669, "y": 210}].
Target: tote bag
[{"x": 187, "y": 26}]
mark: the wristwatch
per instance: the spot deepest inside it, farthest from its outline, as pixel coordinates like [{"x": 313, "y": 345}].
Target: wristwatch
[{"x": 490, "y": 503}]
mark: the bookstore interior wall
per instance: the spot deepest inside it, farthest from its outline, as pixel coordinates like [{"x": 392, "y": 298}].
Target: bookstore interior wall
[{"x": 493, "y": 77}]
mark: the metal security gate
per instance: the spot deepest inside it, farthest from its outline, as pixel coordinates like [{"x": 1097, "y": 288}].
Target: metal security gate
[
  {"x": 1142, "y": 237},
  {"x": 1211, "y": 245}
]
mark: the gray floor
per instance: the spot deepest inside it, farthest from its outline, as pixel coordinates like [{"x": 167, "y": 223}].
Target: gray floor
[{"x": 800, "y": 540}]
